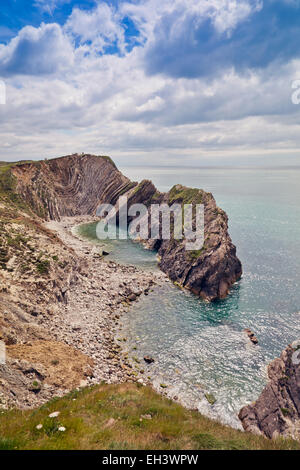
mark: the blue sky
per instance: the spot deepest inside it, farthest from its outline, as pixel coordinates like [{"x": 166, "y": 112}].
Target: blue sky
[{"x": 178, "y": 81}]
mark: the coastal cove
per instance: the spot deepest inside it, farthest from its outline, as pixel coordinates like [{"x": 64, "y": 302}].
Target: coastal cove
[{"x": 200, "y": 349}]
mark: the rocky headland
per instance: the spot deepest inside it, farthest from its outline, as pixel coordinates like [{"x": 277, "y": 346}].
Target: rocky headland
[{"x": 277, "y": 411}]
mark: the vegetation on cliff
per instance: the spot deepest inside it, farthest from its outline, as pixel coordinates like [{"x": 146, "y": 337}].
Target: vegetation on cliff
[
  {"x": 126, "y": 416},
  {"x": 8, "y": 192}
]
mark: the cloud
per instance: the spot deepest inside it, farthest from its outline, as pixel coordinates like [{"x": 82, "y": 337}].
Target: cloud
[
  {"x": 244, "y": 35},
  {"x": 36, "y": 51},
  {"x": 196, "y": 82},
  {"x": 96, "y": 29},
  {"x": 232, "y": 97},
  {"x": 50, "y": 5}
]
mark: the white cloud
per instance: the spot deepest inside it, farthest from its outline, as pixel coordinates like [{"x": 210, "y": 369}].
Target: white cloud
[
  {"x": 63, "y": 96},
  {"x": 153, "y": 104},
  {"x": 49, "y": 5},
  {"x": 34, "y": 51},
  {"x": 100, "y": 27}
]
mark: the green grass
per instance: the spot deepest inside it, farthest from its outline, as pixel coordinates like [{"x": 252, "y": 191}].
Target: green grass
[
  {"x": 43, "y": 266},
  {"x": 195, "y": 254},
  {"x": 109, "y": 417},
  {"x": 185, "y": 195},
  {"x": 8, "y": 444},
  {"x": 285, "y": 411},
  {"x": 109, "y": 159},
  {"x": 8, "y": 187}
]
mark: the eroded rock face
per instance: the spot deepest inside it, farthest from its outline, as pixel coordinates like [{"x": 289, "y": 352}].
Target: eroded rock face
[
  {"x": 277, "y": 410},
  {"x": 212, "y": 270},
  {"x": 71, "y": 185},
  {"x": 77, "y": 184},
  {"x": 208, "y": 272}
]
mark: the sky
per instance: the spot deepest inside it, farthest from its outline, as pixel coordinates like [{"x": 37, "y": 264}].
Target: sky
[{"x": 162, "y": 82}]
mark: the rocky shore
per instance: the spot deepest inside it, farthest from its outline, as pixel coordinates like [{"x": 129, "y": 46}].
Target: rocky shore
[
  {"x": 91, "y": 315},
  {"x": 60, "y": 308},
  {"x": 277, "y": 410}
]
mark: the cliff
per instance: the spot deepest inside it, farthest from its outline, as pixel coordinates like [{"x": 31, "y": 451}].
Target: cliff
[
  {"x": 208, "y": 272},
  {"x": 69, "y": 186},
  {"x": 277, "y": 410},
  {"x": 56, "y": 319},
  {"x": 36, "y": 272},
  {"x": 77, "y": 184}
]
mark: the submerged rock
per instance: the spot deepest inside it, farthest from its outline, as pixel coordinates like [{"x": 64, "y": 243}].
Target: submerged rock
[
  {"x": 277, "y": 410},
  {"x": 251, "y": 336},
  {"x": 210, "y": 398},
  {"x": 149, "y": 359}
]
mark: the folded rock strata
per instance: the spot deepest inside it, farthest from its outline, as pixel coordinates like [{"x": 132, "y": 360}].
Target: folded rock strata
[{"x": 77, "y": 184}]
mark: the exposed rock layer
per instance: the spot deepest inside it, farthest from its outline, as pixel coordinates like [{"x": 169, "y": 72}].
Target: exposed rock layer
[
  {"x": 71, "y": 185},
  {"x": 277, "y": 410},
  {"x": 77, "y": 184}
]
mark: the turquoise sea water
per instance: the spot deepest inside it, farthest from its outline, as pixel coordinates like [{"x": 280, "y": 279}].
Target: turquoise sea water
[{"x": 201, "y": 348}]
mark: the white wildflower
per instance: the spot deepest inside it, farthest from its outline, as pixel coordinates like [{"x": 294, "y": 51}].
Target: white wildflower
[
  {"x": 39, "y": 426},
  {"x": 62, "y": 428},
  {"x": 54, "y": 414}
]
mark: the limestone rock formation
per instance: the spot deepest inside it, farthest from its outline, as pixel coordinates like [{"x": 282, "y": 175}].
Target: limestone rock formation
[
  {"x": 71, "y": 185},
  {"x": 77, "y": 184},
  {"x": 212, "y": 270},
  {"x": 251, "y": 336},
  {"x": 277, "y": 410},
  {"x": 208, "y": 272}
]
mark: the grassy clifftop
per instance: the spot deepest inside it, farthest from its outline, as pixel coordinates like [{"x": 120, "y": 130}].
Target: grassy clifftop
[
  {"x": 126, "y": 416},
  {"x": 8, "y": 194}
]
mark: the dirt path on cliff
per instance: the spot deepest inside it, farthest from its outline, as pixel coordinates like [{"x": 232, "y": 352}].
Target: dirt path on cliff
[{"x": 89, "y": 317}]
